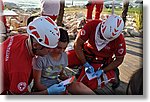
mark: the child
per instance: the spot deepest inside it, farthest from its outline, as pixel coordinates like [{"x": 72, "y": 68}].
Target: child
[{"x": 47, "y": 69}]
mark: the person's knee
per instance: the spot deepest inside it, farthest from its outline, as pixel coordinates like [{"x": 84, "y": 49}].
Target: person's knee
[{"x": 79, "y": 84}]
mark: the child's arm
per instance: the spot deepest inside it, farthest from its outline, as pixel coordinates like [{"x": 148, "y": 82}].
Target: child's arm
[
  {"x": 37, "y": 83},
  {"x": 63, "y": 76}
]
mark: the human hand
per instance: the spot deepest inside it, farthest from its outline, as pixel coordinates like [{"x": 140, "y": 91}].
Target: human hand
[
  {"x": 99, "y": 73},
  {"x": 56, "y": 89},
  {"x": 90, "y": 68}
]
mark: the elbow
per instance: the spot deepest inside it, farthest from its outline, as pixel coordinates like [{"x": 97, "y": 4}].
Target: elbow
[
  {"x": 120, "y": 60},
  {"x": 77, "y": 46}
]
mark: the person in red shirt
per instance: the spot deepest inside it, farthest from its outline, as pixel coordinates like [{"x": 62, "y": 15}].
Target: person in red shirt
[
  {"x": 100, "y": 47},
  {"x": 18, "y": 51},
  {"x": 50, "y": 8},
  {"x": 90, "y": 7},
  {"x": 47, "y": 8}
]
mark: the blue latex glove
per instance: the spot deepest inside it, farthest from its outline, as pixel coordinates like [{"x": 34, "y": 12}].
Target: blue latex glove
[
  {"x": 90, "y": 68},
  {"x": 56, "y": 89},
  {"x": 99, "y": 73}
]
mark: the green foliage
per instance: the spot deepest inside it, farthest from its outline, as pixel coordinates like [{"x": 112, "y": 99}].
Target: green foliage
[
  {"x": 139, "y": 20},
  {"x": 118, "y": 11}
]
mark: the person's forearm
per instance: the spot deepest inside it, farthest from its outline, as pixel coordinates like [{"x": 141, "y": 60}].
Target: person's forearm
[
  {"x": 40, "y": 87},
  {"x": 113, "y": 65},
  {"x": 79, "y": 53}
]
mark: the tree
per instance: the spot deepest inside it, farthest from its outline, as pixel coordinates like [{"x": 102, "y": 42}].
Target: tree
[
  {"x": 61, "y": 13},
  {"x": 125, "y": 10}
]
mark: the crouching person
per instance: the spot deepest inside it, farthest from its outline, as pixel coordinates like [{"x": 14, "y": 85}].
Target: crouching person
[
  {"x": 18, "y": 51},
  {"x": 100, "y": 48}
]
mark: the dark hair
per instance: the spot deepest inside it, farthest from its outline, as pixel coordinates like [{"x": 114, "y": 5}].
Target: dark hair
[
  {"x": 63, "y": 35},
  {"x": 136, "y": 83},
  {"x": 30, "y": 19}
]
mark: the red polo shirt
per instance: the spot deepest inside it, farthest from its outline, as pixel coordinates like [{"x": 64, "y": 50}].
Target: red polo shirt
[{"x": 17, "y": 64}]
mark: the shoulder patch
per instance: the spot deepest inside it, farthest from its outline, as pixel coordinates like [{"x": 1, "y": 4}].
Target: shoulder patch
[
  {"x": 120, "y": 51},
  {"x": 83, "y": 32}
]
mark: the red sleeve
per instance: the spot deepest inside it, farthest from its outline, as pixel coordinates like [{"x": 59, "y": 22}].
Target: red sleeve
[
  {"x": 120, "y": 46},
  {"x": 18, "y": 82},
  {"x": 88, "y": 29},
  {"x": 85, "y": 32}
]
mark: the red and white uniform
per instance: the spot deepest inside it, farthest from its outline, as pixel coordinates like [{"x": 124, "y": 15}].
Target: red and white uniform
[
  {"x": 50, "y": 8},
  {"x": 17, "y": 64},
  {"x": 116, "y": 47},
  {"x": 99, "y": 8}
]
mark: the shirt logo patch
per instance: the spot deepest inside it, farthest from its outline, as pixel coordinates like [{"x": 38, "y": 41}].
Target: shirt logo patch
[
  {"x": 21, "y": 86},
  {"x": 83, "y": 32},
  {"x": 120, "y": 51}
]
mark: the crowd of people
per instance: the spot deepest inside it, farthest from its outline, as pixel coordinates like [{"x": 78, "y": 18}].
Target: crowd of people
[{"x": 40, "y": 55}]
